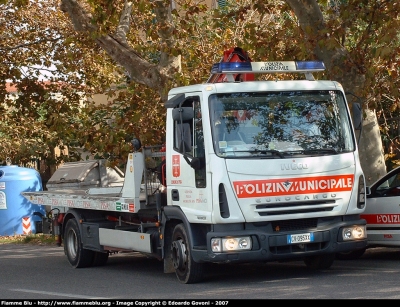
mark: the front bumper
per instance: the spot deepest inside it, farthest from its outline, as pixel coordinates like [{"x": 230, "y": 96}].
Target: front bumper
[{"x": 268, "y": 244}]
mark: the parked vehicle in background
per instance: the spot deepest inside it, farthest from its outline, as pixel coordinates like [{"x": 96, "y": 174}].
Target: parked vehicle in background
[{"x": 382, "y": 214}]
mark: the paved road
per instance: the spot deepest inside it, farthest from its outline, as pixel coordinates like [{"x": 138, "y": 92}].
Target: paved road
[{"x": 42, "y": 272}]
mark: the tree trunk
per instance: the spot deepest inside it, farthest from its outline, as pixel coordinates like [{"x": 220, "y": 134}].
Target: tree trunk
[
  {"x": 370, "y": 146},
  {"x": 341, "y": 67}
]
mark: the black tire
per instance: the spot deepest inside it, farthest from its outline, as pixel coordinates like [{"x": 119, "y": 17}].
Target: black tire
[
  {"x": 77, "y": 256},
  {"x": 353, "y": 255},
  {"x": 100, "y": 259},
  {"x": 320, "y": 262},
  {"x": 186, "y": 269}
]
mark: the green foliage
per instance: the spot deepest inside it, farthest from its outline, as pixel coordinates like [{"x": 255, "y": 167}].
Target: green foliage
[
  {"x": 37, "y": 34},
  {"x": 36, "y": 239},
  {"x": 42, "y": 115}
]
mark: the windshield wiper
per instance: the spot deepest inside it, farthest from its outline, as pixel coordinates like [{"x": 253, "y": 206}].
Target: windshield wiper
[
  {"x": 320, "y": 151},
  {"x": 267, "y": 151},
  {"x": 282, "y": 154}
]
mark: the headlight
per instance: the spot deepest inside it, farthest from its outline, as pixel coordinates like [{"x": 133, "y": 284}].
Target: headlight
[
  {"x": 219, "y": 245},
  {"x": 354, "y": 233}
]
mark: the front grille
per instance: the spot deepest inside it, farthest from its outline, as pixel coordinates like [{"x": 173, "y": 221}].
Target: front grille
[
  {"x": 295, "y": 207},
  {"x": 292, "y": 225},
  {"x": 298, "y": 248}
]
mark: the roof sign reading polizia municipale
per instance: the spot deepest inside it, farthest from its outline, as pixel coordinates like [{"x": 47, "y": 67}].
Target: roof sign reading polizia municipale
[{"x": 306, "y": 67}]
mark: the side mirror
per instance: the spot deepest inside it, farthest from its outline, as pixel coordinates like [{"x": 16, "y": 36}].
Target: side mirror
[
  {"x": 184, "y": 137},
  {"x": 357, "y": 116},
  {"x": 136, "y": 144},
  {"x": 182, "y": 114}
]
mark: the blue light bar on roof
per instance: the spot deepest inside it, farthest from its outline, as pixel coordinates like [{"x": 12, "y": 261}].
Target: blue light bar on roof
[
  {"x": 310, "y": 65},
  {"x": 222, "y": 67},
  {"x": 267, "y": 67}
]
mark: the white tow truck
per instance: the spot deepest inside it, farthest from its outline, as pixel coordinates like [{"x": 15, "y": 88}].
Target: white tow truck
[{"x": 252, "y": 171}]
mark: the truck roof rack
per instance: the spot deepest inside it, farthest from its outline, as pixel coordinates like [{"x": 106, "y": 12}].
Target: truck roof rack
[{"x": 231, "y": 68}]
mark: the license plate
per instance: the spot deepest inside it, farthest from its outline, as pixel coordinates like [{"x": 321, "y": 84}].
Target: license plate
[{"x": 300, "y": 238}]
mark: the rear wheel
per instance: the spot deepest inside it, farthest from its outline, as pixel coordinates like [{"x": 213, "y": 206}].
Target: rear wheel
[
  {"x": 351, "y": 255},
  {"x": 77, "y": 256},
  {"x": 320, "y": 262},
  {"x": 187, "y": 270}
]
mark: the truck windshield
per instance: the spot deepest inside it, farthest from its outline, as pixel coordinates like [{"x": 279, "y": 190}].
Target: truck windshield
[{"x": 280, "y": 124}]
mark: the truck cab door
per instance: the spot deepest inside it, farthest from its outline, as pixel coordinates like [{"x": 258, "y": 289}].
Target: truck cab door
[
  {"x": 187, "y": 166},
  {"x": 188, "y": 138}
]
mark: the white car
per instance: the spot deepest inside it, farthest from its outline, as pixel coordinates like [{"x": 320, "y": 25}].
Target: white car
[{"x": 382, "y": 214}]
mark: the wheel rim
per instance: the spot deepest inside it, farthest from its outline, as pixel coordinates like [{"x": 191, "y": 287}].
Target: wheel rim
[
  {"x": 179, "y": 257},
  {"x": 72, "y": 243}
]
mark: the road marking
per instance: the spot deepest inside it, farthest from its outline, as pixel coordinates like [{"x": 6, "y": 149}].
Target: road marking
[{"x": 71, "y": 295}]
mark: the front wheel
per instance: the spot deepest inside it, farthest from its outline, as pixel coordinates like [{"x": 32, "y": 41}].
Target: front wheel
[
  {"x": 320, "y": 262},
  {"x": 77, "y": 256},
  {"x": 187, "y": 270}
]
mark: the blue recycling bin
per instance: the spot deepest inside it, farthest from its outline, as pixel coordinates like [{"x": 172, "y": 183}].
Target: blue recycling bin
[{"x": 18, "y": 216}]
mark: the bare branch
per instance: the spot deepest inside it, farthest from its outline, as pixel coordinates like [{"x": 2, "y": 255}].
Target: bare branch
[
  {"x": 124, "y": 21},
  {"x": 79, "y": 16},
  {"x": 140, "y": 71},
  {"x": 38, "y": 42}
]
